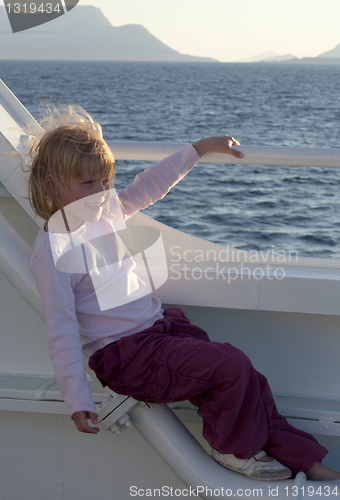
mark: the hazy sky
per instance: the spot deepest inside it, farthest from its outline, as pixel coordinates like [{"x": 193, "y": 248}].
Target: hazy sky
[{"x": 230, "y": 30}]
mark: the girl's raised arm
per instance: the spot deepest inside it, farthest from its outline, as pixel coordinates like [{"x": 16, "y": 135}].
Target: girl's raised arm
[
  {"x": 218, "y": 144},
  {"x": 155, "y": 182}
]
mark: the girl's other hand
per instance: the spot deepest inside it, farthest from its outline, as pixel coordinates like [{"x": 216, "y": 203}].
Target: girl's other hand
[
  {"x": 218, "y": 144},
  {"x": 80, "y": 418}
]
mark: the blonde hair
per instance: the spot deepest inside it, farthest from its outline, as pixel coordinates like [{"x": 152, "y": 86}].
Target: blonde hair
[{"x": 69, "y": 137}]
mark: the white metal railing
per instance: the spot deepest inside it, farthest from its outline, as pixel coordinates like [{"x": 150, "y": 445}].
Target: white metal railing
[
  {"x": 153, "y": 152},
  {"x": 253, "y": 155}
]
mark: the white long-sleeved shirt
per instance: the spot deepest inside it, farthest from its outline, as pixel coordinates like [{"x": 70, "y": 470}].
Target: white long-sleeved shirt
[{"x": 77, "y": 323}]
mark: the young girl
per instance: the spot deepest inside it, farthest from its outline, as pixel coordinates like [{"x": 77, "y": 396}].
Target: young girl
[{"x": 97, "y": 306}]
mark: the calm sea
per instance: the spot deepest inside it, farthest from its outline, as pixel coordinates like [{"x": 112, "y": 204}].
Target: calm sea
[{"x": 249, "y": 207}]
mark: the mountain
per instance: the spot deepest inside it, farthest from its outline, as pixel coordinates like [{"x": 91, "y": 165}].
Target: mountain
[
  {"x": 84, "y": 33},
  {"x": 269, "y": 56},
  {"x": 315, "y": 60},
  {"x": 285, "y": 57},
  {"x": 330, "y": 57},
  {"x": 334, "y": 53},
  {"x": 260, "y": 57}
]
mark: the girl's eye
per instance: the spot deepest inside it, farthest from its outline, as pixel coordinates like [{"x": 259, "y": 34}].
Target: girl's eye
[{"x": 88, "y": 182}]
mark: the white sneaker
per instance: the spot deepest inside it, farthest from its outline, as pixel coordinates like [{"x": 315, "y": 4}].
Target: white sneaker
[{"x": 252, "y": 467}]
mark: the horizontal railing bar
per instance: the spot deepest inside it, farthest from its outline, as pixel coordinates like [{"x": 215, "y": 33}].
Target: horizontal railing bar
[{"x": 253, "y": 155}]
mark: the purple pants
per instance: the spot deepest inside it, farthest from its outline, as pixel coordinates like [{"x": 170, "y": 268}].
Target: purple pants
[{"x": 174, "y": 360}]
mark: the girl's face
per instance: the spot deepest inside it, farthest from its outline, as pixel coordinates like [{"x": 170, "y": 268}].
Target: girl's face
[{"x": 85, "y": 198}]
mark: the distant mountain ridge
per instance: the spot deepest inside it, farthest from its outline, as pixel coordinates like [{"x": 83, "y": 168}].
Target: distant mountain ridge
[
  {"x": 284, "y": 57},
  {"x": 259, "y": 57},
  {"x": 268, "y": 56},
  {"x": 85, "y": 33},
  {"x": 334, "y": 53},
  {"x": 329, "y": 57}
]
